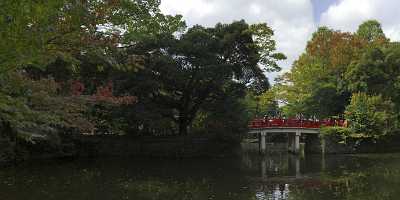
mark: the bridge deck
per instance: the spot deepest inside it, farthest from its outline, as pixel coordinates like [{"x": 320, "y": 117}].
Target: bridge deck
[
  {"x": 294, "y": 123},
  {"x": 284, "y": 130}
]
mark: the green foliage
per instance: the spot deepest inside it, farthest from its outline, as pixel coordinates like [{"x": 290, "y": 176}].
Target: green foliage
[
  {"x": 376, "y": 72},
  {"x": 35, "y": 111},
  {"x": 224, "y": 117},
  {"x": 370, "y": 30},
  {"x": 368, "y": 73},
  {"x": 341, "y": 133},
  {"x": 69, "y": 40},
  {"x": 194, "y": 70},
  {"x": 262, "y": 34},
  {"x": 37, "y": 32},
  {"x": 371, "y": 115},
  {"x": 335, "y": 66},
  {"x": 260, "y": 105},
  {"x": 316, "y": 79}
]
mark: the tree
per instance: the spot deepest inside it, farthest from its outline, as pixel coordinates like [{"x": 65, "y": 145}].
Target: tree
[
  {"x": 371, "y": 116},
  {"x": 226, "y": 115},
  {"x": 316, "y": 85},
  {"x": 58, "y": 43},
  {"x": 371, "y": 31},
  {"x": 192, "y": 70},
  {"x": 258, "y": 105},
  {"x": 34, "y": 110},
  {"x": 368, "y": 74}
]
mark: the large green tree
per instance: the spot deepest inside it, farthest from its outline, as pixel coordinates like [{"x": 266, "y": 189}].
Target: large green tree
[
  {"x": 192, "y": 70},
  {"x": 377, "y": 72},
  {"x": 371, "y": 30}
]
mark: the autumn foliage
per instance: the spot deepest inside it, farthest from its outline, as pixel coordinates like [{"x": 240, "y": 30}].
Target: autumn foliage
[{"x": 103, "y": 94}]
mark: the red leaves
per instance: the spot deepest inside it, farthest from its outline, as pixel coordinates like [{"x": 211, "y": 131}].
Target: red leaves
[
  {"x": 77, "y": 88},
  {"x": 103, "y": 94}
]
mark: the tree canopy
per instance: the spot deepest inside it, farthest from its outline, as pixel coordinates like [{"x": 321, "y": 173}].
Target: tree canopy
[
  {"x": 38, "y": 32},
  {"x": 352, "y": 75},
  {"x": 195, "y": 69},
  {"x": 123, "y": 67}
]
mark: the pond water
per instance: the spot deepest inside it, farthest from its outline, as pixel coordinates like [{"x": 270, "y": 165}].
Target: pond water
[{"x": 249, "y": 177}]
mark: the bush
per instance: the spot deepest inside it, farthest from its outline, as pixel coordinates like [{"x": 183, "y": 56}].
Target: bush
[{"x": 341, "y": 133}]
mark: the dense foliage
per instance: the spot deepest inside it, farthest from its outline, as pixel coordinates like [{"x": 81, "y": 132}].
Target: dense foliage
[
  {"x": 123, "y": 67},
  {"x": 371, "y": 115},
  {"x": 350, "y": 75}
]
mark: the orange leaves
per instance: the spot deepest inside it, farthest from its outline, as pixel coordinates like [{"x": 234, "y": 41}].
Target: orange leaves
[
  {"x": 336, "y": 48},
  {"x": 103, "y": 94}
]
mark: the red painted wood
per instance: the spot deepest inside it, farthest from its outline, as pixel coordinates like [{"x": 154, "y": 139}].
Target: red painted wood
[{"x": 293, "y": 123}]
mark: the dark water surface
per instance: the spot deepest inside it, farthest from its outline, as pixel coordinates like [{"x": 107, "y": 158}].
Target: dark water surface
[{"x": 251, "y": 176}]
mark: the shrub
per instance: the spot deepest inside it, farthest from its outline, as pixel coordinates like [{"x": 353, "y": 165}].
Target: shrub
[{"x": 341, "y": 133}]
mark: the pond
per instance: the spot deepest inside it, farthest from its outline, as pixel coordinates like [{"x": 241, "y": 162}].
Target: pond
[{"x": 249, "y": 177}]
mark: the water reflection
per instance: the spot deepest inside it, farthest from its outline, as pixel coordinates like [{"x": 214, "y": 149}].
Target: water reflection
[
  {"x": 276, "y": 172},
  {"x": 275, "y": 192},
  {"x": 281, "y": 164},
  {"x": 278, "y": 176}
]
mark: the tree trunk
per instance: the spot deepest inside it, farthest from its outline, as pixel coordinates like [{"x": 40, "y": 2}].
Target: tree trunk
[
  {"x": 182, "y": 129},
  {"x": 183, "y": 125}
]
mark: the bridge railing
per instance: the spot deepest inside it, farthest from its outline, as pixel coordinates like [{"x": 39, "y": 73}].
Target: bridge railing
[{"x": 294, "y": 123}]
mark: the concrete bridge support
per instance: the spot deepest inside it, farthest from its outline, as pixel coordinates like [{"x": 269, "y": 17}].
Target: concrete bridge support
[
  {"x": 294, "y": 142},
  {"x": 294, "y": 164},
  {"x": 263, "y": 145},
  {"x": 297, "y": 142},
  {"x": 293, "y": 135}
]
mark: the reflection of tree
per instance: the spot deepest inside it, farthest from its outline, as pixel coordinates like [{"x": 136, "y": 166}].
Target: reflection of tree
[
  {"x": 381, "y": 181},
  {"x": 156, "y": 189},
  {"x": 275, "y": 164},
  {"x": 352, "y": 178}
]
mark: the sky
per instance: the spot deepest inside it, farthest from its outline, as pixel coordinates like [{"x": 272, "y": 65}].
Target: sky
[{"x": 293, "y": 21}]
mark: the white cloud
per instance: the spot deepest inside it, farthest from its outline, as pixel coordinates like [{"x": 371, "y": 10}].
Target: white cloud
[
  {"x": 346, "y": 15},
  {"x": 292, "y": 20}
]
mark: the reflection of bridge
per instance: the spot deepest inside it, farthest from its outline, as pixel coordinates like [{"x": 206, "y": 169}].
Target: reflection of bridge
[{"x": 294, "y": 128}]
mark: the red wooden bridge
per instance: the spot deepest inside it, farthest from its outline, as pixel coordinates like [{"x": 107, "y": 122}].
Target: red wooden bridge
[
  {"x": 294, "y": 128},
  {"x": 294, "y": 123}
]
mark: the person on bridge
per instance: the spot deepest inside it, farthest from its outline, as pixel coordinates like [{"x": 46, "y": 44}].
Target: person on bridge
[{"x": 266, "y": 120}]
